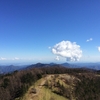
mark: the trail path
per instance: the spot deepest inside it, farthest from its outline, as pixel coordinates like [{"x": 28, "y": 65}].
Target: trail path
[
  {"x": 43, "y": 93},
  {"x": 38, "y": 86}
]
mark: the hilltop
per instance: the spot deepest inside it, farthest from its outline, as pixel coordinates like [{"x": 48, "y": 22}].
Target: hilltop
[{"x": 50, "y": 83}]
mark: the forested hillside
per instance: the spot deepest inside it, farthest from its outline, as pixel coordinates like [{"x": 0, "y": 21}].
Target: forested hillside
[{"x": 83, "y": 84}]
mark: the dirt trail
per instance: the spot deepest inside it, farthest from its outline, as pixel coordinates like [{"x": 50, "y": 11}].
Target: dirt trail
[
  {"x": 39, "y": 92},
  {"x": 38, "y": 86}
]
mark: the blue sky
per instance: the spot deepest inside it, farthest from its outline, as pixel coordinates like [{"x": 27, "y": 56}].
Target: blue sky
[{"x": 29, "y": 27}]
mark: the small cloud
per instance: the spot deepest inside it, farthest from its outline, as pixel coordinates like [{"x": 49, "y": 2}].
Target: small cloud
[
  {"x": 99, "y": 48},
  {"x": 89, "y": 40},
  {"x": 57, "y": 58},
  {"x": 70, "y": 51},
  {"x": 3, "y": 58},
  {"x": 16, "y": 58},
  {"x": 49, "y": 47}
]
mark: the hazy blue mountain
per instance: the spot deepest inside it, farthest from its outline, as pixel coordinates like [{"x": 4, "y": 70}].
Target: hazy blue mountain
[
  {"x": 66, "y": 64},
  {"x": 38, "y": 65},
  {"x": 52, "y": 63},
  {"x": 95, "y": 66},
  {"x": 11, "y": 68}
]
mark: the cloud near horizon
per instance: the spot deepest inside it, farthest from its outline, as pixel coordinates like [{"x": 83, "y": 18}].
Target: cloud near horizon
[
  {"x": 16, "y": 58},
  {"x": 70, "y": 51},
  {"x": 3, "y": 58},
  {"x": 89, "y": 40}
]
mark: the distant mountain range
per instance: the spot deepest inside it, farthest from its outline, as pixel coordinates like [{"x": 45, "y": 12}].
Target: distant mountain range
[
  {"x": 95, "y": 66},
  {"x": 11, "y": 68},
  {"x": 5, "y": 69}
]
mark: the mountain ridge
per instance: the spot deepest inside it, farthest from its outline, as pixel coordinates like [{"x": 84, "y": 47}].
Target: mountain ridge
[{"x": 11, "y": 68}]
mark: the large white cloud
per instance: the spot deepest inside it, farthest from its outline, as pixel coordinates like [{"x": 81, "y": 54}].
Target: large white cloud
[{"x": 70, "y": 51}]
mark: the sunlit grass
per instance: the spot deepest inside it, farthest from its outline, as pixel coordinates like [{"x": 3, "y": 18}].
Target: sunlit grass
[
  {"x": 47, "y": 94},
  {"x": 44, "y": 92}
]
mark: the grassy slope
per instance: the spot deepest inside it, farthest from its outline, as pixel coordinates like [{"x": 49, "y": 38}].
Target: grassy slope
[{"x": 44, "y": 93}]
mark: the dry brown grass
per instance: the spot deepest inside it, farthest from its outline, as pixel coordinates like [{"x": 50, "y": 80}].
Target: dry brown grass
[{"x": 45, "y": 93}]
